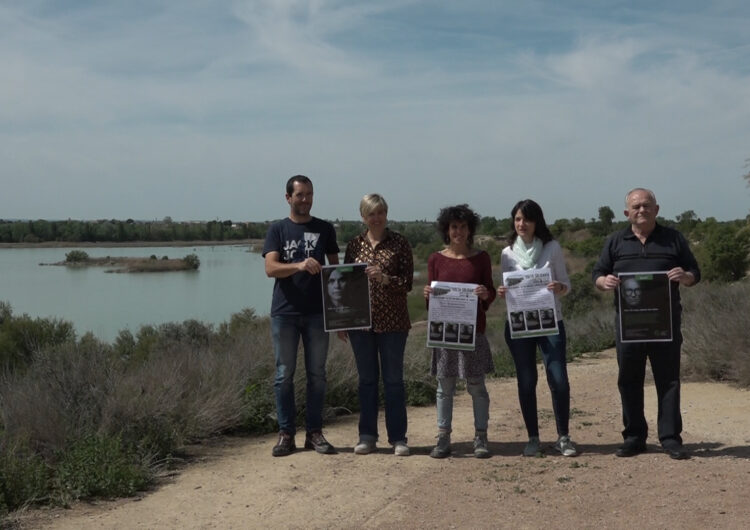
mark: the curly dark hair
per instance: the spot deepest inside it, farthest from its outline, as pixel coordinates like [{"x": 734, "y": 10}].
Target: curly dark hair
[
  {"x": 460, "y": 212},
  {"x": 532, "y": 212}
]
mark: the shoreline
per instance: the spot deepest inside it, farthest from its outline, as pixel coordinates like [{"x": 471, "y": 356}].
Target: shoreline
[{"x": 132, "y": 244}]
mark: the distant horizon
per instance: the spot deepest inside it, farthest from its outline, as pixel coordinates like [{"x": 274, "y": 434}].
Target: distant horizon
[{"x": 337, "y": 220}]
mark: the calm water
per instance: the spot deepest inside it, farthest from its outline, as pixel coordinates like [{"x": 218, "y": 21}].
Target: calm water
[{"x": 230, "y": 278}]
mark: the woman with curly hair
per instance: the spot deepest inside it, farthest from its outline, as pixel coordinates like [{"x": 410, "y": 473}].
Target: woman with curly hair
[{"x": 459, "y": 262}]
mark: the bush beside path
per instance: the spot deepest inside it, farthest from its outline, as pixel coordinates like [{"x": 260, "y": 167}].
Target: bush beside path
[{"x": 233, "y": 482}]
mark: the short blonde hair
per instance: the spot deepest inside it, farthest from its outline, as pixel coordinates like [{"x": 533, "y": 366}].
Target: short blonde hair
[{"x": 372, "y": 202}]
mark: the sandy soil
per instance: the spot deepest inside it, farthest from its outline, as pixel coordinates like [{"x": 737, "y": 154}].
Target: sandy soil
[{"x": 235, "y": 483}]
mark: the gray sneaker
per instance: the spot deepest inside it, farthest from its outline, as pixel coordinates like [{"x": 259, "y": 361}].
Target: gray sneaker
[
  {"x": 401, "y": 449},
  {"x": 365, "y": 447},
  {"x": 443, "y": 447},
  {"x": 565, "y": 446},
  {"x": 532, "y": 447},
  {"x": 480, "y": 445}
]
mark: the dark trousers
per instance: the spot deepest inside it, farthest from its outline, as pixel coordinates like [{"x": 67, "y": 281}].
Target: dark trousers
[
  {"x": 665, "y": 366},
  {"x": 553, "y": 348}
]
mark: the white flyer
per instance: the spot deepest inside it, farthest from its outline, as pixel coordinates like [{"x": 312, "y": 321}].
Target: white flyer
[
  {"x": 531, "y": 306},
  {"x": 452, "y": 316}
]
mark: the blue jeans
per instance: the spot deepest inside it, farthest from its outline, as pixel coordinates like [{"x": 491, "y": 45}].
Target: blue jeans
[
  {"x": 555, "y": 364},
  {"x": 368, "y": 346},
  {"x": 286, "y": 332},
  {"x": 480, "y": 400}
]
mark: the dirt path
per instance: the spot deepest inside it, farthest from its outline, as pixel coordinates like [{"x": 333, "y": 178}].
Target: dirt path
[{"x": 236, "y": 484}]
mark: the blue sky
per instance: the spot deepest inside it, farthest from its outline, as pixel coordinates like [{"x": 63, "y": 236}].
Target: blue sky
[{"x": 202, "y": 110}]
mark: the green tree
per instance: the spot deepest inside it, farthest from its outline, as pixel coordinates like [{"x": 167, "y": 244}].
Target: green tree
[
  {"x": 606, "y": 216},
  {"x": 686, "y": 221},
  {"x": 723, "y": 252}
]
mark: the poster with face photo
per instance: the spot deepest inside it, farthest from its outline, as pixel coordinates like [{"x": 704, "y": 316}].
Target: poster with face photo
[
  {"x": 346, "y": 297},
  {"x": 530, "y": 305},
  {"x": 452, "y": 316},
  {"x": 644, "y": 307}
]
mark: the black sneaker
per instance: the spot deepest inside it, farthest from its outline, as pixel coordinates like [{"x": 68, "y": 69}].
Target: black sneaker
[
  {"x": 631, "y": 447},
  {"x": 316, "y": 440},
  {"x": 285, "y": 446}
]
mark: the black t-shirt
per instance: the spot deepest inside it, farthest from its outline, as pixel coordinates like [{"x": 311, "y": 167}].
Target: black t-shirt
[{"x": 300, "y": 293}]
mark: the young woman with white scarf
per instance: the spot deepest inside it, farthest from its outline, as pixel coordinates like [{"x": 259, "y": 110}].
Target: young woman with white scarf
[{"x": 533, "y": 247}]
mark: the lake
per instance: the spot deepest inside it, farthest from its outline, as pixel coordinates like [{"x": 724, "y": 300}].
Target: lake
[{"x": 230, "y": 278}]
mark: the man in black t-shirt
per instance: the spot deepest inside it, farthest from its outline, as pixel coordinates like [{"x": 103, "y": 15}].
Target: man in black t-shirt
[
  {"x": 646, "y": 246},
  {"x": 295, "y": 251}
]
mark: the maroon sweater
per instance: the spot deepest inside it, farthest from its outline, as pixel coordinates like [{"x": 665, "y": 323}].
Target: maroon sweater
[{"x": 476, "y": 269}]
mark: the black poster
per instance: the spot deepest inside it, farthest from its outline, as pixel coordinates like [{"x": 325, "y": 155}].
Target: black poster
[
  {"x": 346, "y": 297},
  {"x": 645, "y": 307}
]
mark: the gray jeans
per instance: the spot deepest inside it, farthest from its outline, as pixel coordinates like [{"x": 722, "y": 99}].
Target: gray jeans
[{"x": 479, "y": 397}]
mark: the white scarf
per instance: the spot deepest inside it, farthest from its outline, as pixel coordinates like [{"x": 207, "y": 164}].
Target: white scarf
[{"x": 527, "y": 255}]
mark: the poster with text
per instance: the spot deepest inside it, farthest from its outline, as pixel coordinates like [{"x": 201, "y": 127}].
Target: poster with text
[
  {"x": 531, "y": 306},
  {"x": 645, "y": 307},
  {"x": 346, "y": 297},
  {"x": 452, "y": 316}
]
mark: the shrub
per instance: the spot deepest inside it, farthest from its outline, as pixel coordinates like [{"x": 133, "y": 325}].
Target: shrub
[
  {"x": 21, "y": 336},
  {"x": 716, "y": 344},
  {"x": 76, "y": 256},
  {"x": 723, "y": 252},
  {"x": 192, "y": 261},
  {"x": 98, "y": 466},
  {"x": 24, "y": 477}
]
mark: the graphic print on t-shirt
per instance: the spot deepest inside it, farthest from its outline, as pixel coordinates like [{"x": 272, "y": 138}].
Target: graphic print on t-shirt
[{"x": 298, "y": 250}]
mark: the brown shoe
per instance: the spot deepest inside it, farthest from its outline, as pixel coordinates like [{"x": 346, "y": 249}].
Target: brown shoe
[
  {"x": 285, "y": 446},
  {"x": 316, "y": 440}
]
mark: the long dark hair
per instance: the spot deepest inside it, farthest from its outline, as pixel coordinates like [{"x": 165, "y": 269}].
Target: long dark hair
[{"x": 532, "y": 212}]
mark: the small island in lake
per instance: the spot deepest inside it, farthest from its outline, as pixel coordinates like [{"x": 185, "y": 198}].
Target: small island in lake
[{"x": 79, "y": 258}]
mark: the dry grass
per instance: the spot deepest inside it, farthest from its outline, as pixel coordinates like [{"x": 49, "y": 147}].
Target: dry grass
[{"x": 714, "y": 326}]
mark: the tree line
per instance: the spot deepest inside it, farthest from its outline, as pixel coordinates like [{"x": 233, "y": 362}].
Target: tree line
[
  {"x": 117, "y": 231},
  {"x": 720, "y": 246}
]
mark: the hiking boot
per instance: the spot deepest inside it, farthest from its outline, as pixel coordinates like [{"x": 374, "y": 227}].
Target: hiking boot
[
  {"x": 316, "y": 440},
  {"x": 532, "y": 447},
  {"x": 565, "y": 446},
  {"x": 285, "y": 446},
  {"x": 364, "y": 447},
  {"x": 480, "y": 445},
  {"x": 443, "y": 447},
  {"x": 401, "y": 449}
]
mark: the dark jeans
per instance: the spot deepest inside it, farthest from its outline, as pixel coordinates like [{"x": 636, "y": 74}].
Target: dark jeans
[
  {"x": 555, "y": 364},
  {"x": 373, "y": 352},
  {"x": 665, "y": 367},
  {"x": 286, "y": 332}
]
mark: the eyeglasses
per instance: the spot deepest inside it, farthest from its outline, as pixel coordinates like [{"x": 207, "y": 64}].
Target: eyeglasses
[{"x": 633, "y": 292}]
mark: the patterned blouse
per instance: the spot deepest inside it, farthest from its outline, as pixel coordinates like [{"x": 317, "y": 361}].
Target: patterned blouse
[{"x": 394, "y": 256}]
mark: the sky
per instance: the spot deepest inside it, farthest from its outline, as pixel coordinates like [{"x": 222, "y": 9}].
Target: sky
[{"x": 202, "y": 110}]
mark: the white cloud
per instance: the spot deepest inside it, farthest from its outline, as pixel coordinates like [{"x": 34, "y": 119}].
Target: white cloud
[{"x": 203, "y": 112}]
